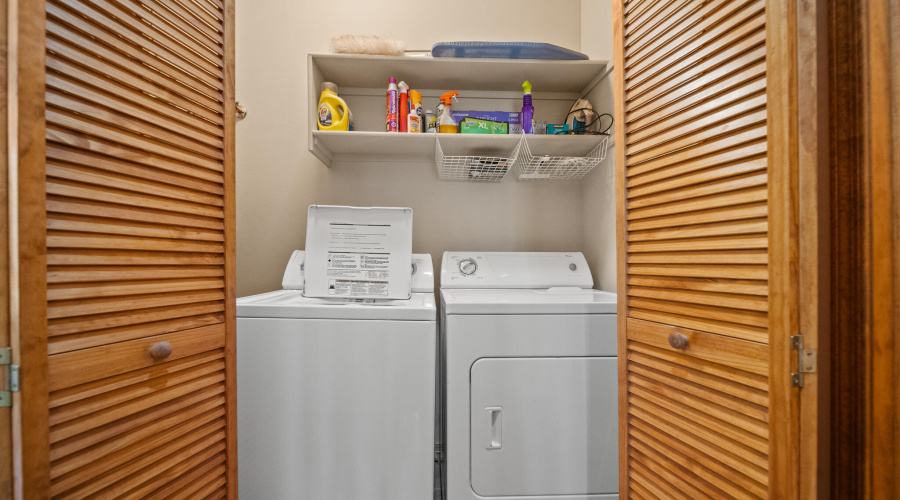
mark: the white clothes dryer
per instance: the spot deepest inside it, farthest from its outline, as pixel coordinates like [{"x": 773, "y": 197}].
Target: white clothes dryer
[
  {"x": 530, "y": 378},
  {"x": 336, "y": 397}
]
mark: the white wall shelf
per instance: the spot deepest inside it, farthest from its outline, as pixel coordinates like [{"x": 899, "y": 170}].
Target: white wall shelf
[
  {"x": 492, "y": 84},
  {"x": 356, "y": 147},
  {"x": 470, "y": 74}
]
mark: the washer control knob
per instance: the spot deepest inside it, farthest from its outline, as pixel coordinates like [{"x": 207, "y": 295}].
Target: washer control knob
[{"x": 467, "y": 267}]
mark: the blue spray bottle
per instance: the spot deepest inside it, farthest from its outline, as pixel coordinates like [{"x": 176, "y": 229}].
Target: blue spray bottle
[{"x": 527, "y": 109}]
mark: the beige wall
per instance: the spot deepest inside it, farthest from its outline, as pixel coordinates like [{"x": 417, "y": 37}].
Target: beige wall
[
  {"x": 277, "y": 177},
  {"x": 598, "y": 188}
]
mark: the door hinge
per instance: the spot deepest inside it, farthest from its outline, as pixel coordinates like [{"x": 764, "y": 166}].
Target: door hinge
[
  {"x": 12, "y": 377},
  {"x": 806, "y": 360}
]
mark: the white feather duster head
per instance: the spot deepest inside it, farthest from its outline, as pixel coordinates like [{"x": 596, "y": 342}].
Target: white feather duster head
[{"x": 367, "y": 44}]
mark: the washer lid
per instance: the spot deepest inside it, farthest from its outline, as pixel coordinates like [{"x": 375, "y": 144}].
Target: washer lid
[
  {"x": 293, "y": 305},
  {"x": 563, "y": 300}
]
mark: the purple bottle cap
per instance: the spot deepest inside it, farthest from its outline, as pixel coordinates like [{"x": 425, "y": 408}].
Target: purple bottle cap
[{"x": 392, "y": 80}]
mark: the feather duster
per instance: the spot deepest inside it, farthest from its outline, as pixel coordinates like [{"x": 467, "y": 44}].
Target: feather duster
[{"x": 367, "y": 44}]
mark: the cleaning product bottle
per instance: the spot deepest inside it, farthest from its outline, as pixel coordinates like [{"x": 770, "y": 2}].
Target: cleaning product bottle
[
  {"x": 430, "y": 123},
  {"x": 333, "y": 111},
  {"x": 438, "y": 111},
  {"x": 446, "y": 123},
  {"x": 392, "y": 106},
  {"x": 414, "y": 120},
  {"x": 404, "y": 105},
  {"x": 527, "y": 110}
]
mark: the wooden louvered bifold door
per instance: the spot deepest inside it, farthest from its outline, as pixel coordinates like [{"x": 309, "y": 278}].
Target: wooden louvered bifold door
[
  {"x": 140, "y": 230},
  {"x": 693, "y": 248}
]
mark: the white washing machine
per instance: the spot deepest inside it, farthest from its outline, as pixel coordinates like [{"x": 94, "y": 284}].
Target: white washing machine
[
  {"x": 529, "y": 353},
  {"x": 336, "y": 398}
]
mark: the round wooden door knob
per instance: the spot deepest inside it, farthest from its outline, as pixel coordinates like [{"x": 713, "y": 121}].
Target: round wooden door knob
[
  {"x": 678, "y": 341},
  {"x": 161, "y": 350}
]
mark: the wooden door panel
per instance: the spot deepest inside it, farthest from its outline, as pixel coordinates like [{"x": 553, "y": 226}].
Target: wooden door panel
[
  {"x": 701, "y": 412},
  {"x": 114, "y": 434},
  {"x": 139, "y": 233},
  {"x": 85, "y": 365},
  {"x": 90, "y": 207},
  {"x": 694, "y": 248}
]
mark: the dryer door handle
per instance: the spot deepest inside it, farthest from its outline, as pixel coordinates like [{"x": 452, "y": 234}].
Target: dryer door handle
[{"x": 495, "y": 427}]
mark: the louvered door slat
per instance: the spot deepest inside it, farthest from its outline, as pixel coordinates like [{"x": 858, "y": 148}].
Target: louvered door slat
[
  {"x": 117, "y": 20},
  {"x": 156, "y": 474},
  {"x": 171, "y": 27},
  {"x": 194, "y": 484},
  {"x": 84, "y": 207},
  {"x": 729, "y": 300},
  {"x": 164, "y": 65},
  {"x": 652, "y": 18},
  {"x": 129, "y": 138},
  {"x": 186, "y": 16},
  {"x": 137, "y": 181},
  {"x": 127, "y": 81},
  {"x": 216, "y": 494},
  {"x": 699, "y": 152},
  {"x": 120, "y": 328},
  {"x": 87, "y": 190},
  {"x": 125, "y": 273},
  {"x": 86, "y": 46},
  {"x": 673, "y": 26},
  {"x": 720, "y": 96},
  {"x": 742, "y": 157},
  {"x": 181, "y": 133},
  {"x": 705, "y": 73},
  {"x": 210, "y": 20},
  {"x": 139, "y": 190},
  {"x": 707, "y": 25},
  {"x": 718, "y": 179},
  {"x": 693, "y": 237},
  {"x": 187, "y": 186},
  {"x": 108, "y": 152},
  {"x": 85, "y": 225},
  {"x": 681, "y": 68},
  {"x": 674, "y": 473},
  {"x": 691, "y": 120},
  {"x": 114, "y": 118}
]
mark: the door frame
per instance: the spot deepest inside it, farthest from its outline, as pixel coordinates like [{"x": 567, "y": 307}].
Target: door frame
[
  {"x": 27, "y": 244},
  {"x": 799, "y": 256},
  {"x": 864, "y": 98},
  {"x": 783, "y": 181}
]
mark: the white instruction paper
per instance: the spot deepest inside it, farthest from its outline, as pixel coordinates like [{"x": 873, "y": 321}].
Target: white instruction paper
[{"x": 354, "y": 252}]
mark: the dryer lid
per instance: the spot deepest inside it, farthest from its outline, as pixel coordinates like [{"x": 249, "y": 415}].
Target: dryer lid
[
  {"x": 291, "y": 304},
  {"x": 563, "y": 300}
]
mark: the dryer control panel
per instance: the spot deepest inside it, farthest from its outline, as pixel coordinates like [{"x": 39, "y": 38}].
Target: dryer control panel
[{"x": 515, "y": 270}]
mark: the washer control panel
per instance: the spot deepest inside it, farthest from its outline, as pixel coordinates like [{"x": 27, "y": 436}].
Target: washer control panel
[
  {"x": 515, "y": 270},
  {"x": 421, "y": 281}
]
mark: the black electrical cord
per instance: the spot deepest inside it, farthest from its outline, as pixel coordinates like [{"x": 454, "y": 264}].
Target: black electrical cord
[
  {"x": 441, "y": 475},
  {"x": 584, "y": 129}
]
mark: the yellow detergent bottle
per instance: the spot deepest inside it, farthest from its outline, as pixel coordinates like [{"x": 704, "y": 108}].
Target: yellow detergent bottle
[
  {"x": 446, "y": 123},
  {"x": 334, "y": 114}
]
